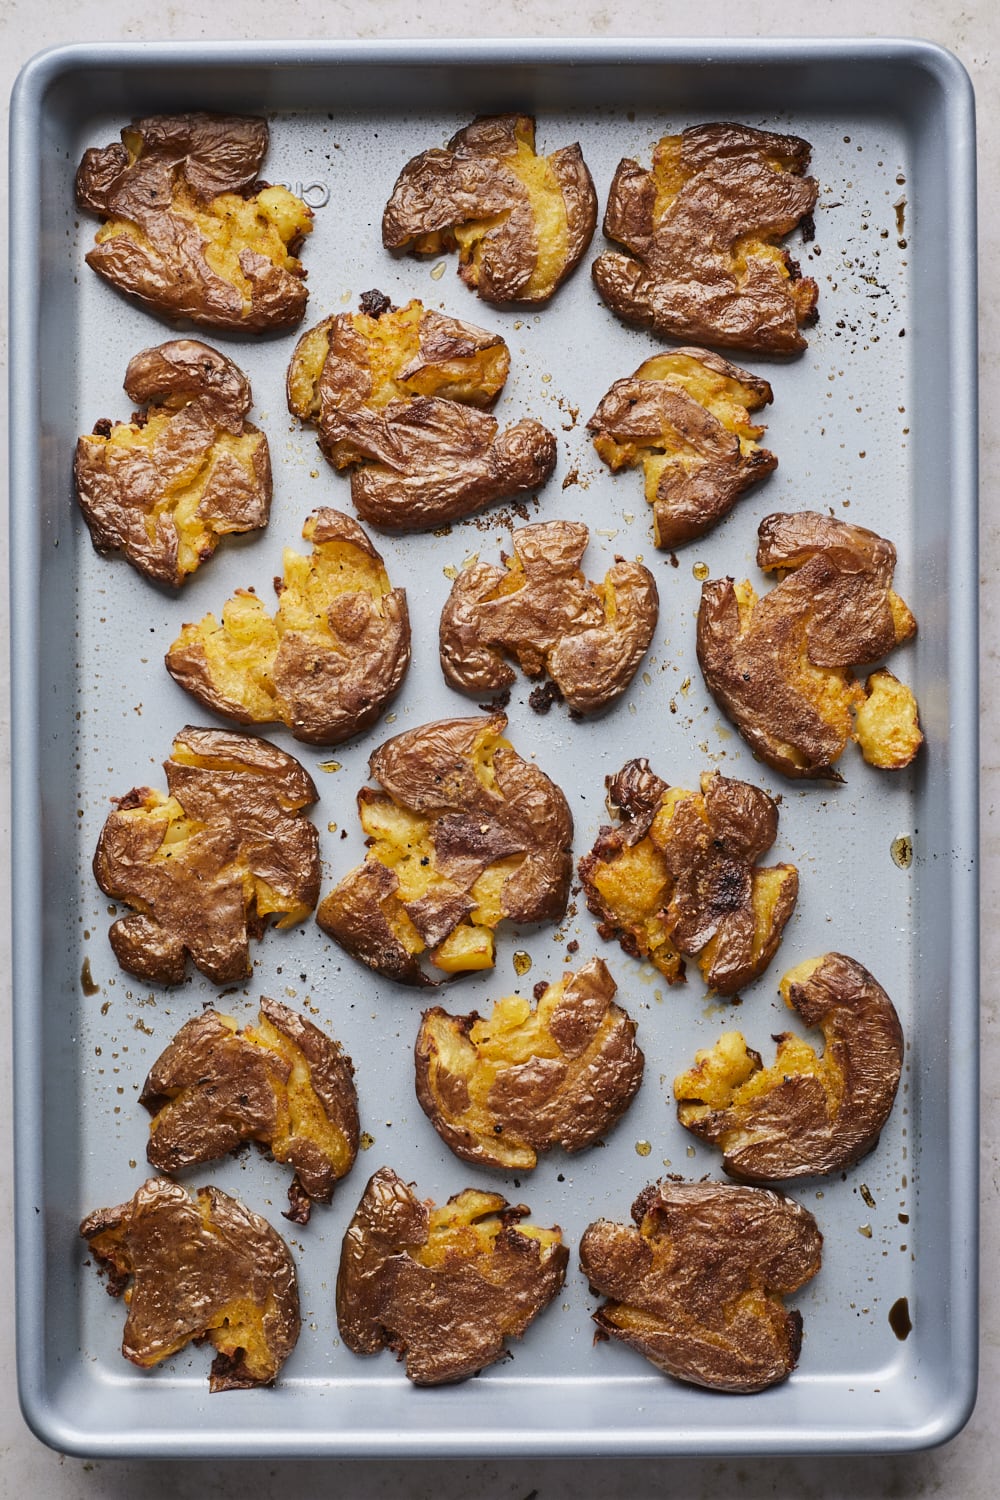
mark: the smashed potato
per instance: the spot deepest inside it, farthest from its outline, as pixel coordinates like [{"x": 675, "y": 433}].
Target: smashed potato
[
  {"x": 501, "y": 1089},
  {"x": 520, "y": 222},
  {"x": 804, "y": 1115},
  {"x": 443, "y": 1287},
  {"x": 190, "y": 1271},
  {"x": 327, "y": 663},
  {"x": 539, "y": 608},
  {"x": 685, "y": 418},
  {"x": 397, "y": 396},
  {"x": 206, "y": 866},
  {"x": 702, "y": 228},
  {"x": 697, "y": 1285},
  {"x": 188, "y": 230},
  {"x": 462, "y": 835},
  {"x": 187, "y": 470},
  {"x": 283, "y": 1083},
  {"x": 678, "y": 876},
  {"x": 780, "y": 666}
]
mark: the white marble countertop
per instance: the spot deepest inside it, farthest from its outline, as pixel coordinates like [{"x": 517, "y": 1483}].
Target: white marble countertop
[{"x": 964, "y": 1469}]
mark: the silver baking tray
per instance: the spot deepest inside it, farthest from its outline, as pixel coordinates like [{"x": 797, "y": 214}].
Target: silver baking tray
[{"x": 877, "y": 421}]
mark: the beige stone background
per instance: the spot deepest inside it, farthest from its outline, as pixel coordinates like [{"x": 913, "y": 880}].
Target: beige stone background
[{"x": 966, "y": 1468}]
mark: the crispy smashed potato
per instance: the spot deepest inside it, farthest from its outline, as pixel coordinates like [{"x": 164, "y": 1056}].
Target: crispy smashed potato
[
  {"x": 696, "y": 1287},
  {"x": 804, "y": 1115},
  {"x": 702, "y": 228},
  {"x": 191, "y": 1271},
  {"x": 780, "y": 666},
  {"x": 678, "y": 876},
  {"x": 283, "y": 1083},
  {"x": 206, "y": 866},
  {"x": 539, "y": 608},
  {"x": 501, "y": 1089},
  {"x": 184, "y": 472},
  {"x": 188, "y": 230},
  {"x": 327, "y": 663},
  {"x": 443, "y": 1287},
  {"x": 462, "y": 835},
  {"x": 397, "y": 396},
  {"x": 685, "y": 418},
  {"x": 520, "y": 222}
]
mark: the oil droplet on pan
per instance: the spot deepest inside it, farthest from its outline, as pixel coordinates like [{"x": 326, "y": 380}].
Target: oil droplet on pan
[
  {"x": 643, "y": 1148},
  {"x": 899, "y": 1318},
  {"x": 87, "y": 979},
  {"x": 901, "y": 850},
  {"x": 700, "y": 571},
  {"x": 522, "y": 961}
]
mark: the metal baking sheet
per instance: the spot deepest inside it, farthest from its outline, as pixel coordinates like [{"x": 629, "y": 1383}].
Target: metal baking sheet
[{"x": 876, "y": 421}]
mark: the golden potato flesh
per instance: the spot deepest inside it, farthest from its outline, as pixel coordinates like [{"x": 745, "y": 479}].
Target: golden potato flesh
[
  {"x": 185, "y": 232},
  {"x": 702, "y": 227},
  {"x": 678, "y": 876},
  {"x": 520, "y": 221},
  {"x": 283, "y": 1083},
  {"x": 462, "y": 834},
  {"x": 443, "y": 1287},
  {"x": 330, "y": 659},
  {"x": 187, "y": 470},
  {"x": 697, "y": 1285},
  {"x": 204, "y": 867},
  {"x": 397, "y": 396},
  {"x": 805, "y": 1114},
  {"x": 538, "y": 607},
  {"x": 780, "y": 665},
  {"x": 685, "y": 418},
  {"x": 202, "y": 1269},
  {"x": 500, "y": 1089}
]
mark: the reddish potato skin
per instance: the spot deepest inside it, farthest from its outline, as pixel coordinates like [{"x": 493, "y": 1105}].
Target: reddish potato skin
[
  {"x": 570, "y": 1100},
  {"x": 118, "y": 489},
  {"x": 794, "y": 1129},
  {"x": 429, "y": 771},
  {"x": 695, "y": 494},
  {"x": 228, "y": 1091},
  {"x": 446, "y": 1321},
  {"x": 835, "y": 597},
  {"x": 438, "y": 190},
  {"x": 555, "y": 623},
  {"x": 325, "y": 694},
  {"x": 681, "y": 278},
  {"x": 417, "y": 460},
  {"x": 697, "y": 1251},
  {"x": 184, "y": 1272},
  {"x": 168, "y": 272},
  {"x": 248, "y": 795}
]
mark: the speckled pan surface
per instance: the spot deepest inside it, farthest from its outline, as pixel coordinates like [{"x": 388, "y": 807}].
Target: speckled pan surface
[{"x": 876, "y": 421}]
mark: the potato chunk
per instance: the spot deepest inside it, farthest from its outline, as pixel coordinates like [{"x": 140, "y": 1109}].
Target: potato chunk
[
  {"x": 204, "y": 867},
  {"x": 539, "y": 608},
  {"x": 187, "y": 470},
  {"x": 685, "y": 418},
  {"x": 203, "y": 1269},
  {"x": 284, "y": 1083},
  {"x": 780, "y": 665},
  {"x": 697, "y": 1285},
  {"x": 462, "y": 834},
  {"x": 498, "y": 1090},
  {"x": 805, "y": 1114},
  {"x": 520, "y": 221},
  {"x": 443, "y": 1287},
  {"x": 185, "y": 232},
  {"x": 397, "y": 396},
  {"x": 327, "y": 663},
  {"x": 702, "y": 228},
  {"x": 678, "y": 876}
]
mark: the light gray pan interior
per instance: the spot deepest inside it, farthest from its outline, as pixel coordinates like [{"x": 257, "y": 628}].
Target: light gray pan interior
[{"x": 876, "y": 421}]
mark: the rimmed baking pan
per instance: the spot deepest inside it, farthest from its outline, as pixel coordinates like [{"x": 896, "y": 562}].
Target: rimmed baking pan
[{"x": 875, "y": 422}]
